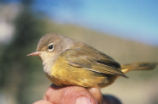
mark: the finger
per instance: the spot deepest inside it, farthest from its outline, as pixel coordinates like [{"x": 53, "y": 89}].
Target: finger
[
  {"x": 42, "y": 102},
  {"x": 96, "y": 93},
  {"x": 69, "y": 95}
]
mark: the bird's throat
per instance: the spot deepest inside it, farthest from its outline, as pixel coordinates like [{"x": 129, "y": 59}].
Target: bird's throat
[{"x": 48, "y": 61}]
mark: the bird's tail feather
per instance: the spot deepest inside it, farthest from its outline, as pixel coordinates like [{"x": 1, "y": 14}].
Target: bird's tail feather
[{"x": 138, "y": 66}]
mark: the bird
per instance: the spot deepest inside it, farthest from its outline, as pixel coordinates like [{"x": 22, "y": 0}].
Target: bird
[{"x": 68, "y": 62}]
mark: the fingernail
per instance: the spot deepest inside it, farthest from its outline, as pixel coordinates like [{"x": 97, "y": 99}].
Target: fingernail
[{"x": 83, "y": 100}]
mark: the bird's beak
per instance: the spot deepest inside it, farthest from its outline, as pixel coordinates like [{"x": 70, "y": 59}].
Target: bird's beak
[{"x": 36, "y": 53}]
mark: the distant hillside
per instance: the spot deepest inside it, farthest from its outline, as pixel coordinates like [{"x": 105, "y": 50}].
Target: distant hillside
[{"x": 122, "y": 50}]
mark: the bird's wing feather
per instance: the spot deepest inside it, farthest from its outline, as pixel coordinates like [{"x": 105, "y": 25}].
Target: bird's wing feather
[{"x": 91, "y": 59}]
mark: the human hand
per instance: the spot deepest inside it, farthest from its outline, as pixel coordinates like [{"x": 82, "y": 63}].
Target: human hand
[{"x": 76, "y": 95}]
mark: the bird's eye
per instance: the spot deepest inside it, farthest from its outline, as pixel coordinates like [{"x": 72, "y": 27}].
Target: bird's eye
[{"x": 50, "y": 47}]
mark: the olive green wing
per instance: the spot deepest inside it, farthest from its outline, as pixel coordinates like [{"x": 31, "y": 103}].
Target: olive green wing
[{"x": 91, "y": 59}]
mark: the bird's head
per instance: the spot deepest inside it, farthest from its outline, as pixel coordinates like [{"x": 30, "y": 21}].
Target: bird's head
[{"x": 50, "y": 46}]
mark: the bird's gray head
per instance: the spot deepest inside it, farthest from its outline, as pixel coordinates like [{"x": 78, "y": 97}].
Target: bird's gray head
[{"x": 50, "y": 46}]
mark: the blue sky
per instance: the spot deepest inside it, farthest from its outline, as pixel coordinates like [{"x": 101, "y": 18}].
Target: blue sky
[{"x": 132, "y": 19}]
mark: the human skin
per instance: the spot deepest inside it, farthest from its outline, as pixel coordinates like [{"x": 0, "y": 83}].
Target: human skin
[{"x": 76, "y": 95}]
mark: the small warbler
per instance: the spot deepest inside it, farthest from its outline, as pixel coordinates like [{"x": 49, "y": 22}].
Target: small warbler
[{"x": 70, "y": 62}]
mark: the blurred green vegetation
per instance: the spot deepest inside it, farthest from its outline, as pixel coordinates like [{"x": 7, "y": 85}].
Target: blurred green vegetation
[
  {"x": 22, "y": 77},
  {"x": 17, "y": 70}
]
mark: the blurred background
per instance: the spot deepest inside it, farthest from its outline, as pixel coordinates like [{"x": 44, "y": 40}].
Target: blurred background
[{"x": 125, "y": 30}]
